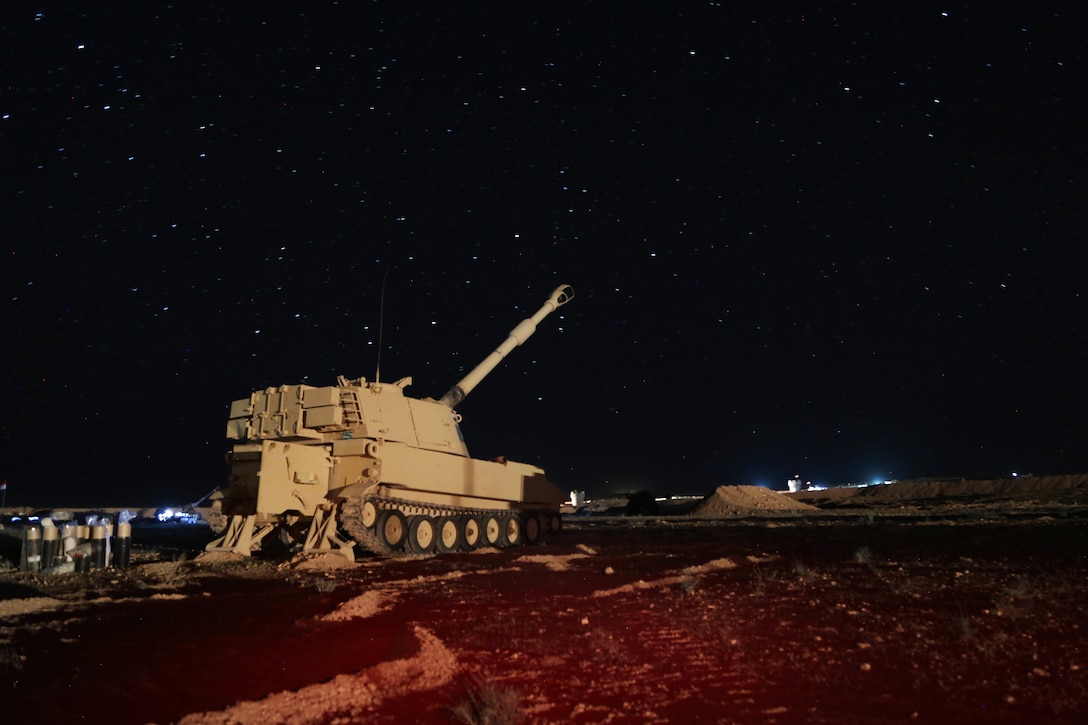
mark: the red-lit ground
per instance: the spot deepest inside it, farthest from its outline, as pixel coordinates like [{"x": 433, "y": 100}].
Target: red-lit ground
[{"x": 972, "y": 618}]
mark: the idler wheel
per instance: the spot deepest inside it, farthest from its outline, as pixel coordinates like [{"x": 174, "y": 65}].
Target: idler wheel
[
  {"x": 369, "y": 514},
  {"x": 449, "y": 534},
  {"x": 421, "y": 534},
  {"x": 470, "y": 531},
  {"x": 392, "y": 529},
  {"x": 555, "y": 523}
]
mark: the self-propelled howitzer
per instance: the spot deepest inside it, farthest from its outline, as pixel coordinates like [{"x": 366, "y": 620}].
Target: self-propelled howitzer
[{"x": 363, "y": 463}]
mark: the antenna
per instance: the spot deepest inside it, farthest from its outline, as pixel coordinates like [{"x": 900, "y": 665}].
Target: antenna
[{"x": 381, "y": 329}]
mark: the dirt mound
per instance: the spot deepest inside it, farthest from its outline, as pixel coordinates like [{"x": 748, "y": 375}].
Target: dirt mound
[
  {"x": 996, "y": 487},
  {"x": 746, "y": 501},
  {"x": 320, "y": 561},
  {"x": 940, "y": 488},
  {"x": 363, "y": 606}
]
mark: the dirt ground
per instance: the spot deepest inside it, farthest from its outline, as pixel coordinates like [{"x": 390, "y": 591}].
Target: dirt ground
[{"x": 952, "y": 609}]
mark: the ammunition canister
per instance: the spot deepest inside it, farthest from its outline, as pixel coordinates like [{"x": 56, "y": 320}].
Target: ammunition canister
[
  {"x": 50, "y": 546},
  {"x": 123, "y": 549},
  {"x": 98, "y": 547},
  {"x": 32, "y": 549}
]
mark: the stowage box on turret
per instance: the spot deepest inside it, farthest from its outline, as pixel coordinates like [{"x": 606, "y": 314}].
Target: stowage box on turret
[{"x": 361, "y": 462}]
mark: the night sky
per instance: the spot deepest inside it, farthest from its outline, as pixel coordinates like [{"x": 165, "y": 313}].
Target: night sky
[{"x": 832, "y": 240}]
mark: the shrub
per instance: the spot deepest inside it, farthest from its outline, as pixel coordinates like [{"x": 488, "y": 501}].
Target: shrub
[
  {"x": 488, "y": 704},
  {"x": 641, "y": 503}
]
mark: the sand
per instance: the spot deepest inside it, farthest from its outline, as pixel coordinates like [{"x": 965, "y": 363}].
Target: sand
[{"x": 746, "y": 501}]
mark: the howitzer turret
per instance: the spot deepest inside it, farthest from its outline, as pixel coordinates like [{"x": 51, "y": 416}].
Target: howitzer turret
[{"x": 362, "y": 463}]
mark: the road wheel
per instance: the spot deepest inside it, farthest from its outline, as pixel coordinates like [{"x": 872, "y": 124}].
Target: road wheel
[
  {"x": 470, "y": 532},
  {"x": 449, "y": 534},
  {"x": 392, "y": 529},
  {"x": 492, "y": 530},
  {"x": 511, "y": 531},
  {"x": 530, "y": 526},
  {"x": 421, "y": 534},
  {"x": 369, "y": 514}
]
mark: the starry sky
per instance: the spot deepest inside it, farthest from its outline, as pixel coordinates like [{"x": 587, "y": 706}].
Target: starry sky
[{"x": 836, "y": 240}]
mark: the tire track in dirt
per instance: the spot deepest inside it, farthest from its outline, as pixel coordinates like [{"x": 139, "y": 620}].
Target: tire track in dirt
[{"x": 637, "y": 646}]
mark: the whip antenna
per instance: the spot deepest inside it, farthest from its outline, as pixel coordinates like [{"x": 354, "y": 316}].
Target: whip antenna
[{"x": 381, "y": 330}]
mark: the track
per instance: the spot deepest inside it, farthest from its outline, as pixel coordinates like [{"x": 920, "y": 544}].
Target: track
[{"x": 494, "y": 527}]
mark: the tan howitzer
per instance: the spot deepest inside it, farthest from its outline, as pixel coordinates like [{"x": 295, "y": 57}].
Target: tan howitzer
[
  {"x": 390, "y": 471},
  {"x": 561, "y": 296}
]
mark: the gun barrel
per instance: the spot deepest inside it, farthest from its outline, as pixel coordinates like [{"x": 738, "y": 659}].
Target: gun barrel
[{"x": 561, "y": 296}]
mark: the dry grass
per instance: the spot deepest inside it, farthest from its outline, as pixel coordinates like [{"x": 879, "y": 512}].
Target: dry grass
[{"x": 487, "y": 703}]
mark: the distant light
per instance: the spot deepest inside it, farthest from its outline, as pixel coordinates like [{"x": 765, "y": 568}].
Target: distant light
[{"x": 1015, "y": 474}]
